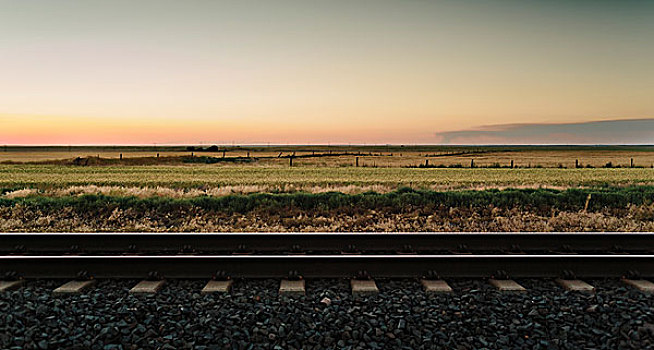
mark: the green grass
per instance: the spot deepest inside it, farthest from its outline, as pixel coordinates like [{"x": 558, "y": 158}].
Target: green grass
[{"x": 403, "y": 199}]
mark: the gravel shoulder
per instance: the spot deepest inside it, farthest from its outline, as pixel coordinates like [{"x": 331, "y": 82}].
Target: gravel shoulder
[{"x": 253, "y": 316}]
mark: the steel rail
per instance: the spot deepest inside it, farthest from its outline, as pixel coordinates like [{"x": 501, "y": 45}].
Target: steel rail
[
  {"x": 35, "y": 243},
  {"x": 327, "y": 266}
]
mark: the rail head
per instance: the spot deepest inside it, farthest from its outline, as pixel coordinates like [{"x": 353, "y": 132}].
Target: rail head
[
  {"x": 321, "y": 241},
  {"x": 327, "y": 266}
]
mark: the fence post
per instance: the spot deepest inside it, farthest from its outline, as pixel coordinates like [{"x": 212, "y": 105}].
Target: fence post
[
  {"x": 472, "y": 163},
  {"x": 121, "y": 156},
  {"x": 511, "y": 163},
  {"x": 223, "y": 153},
  {"x": 357, "y": 162},
  {"x": 632, "y": 163},
  {"x": 426, "y": 163},
  {"x": 248, "y": 154},
  {"x": 576, "y": 163},
  {"x": 290, "y": 161}
]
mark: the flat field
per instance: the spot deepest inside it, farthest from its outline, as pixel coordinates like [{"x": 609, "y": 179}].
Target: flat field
[
  {"x": 258, "y": 189},
  {"x": 345, "y": 156},
  {"x": 301, "y": 178}
]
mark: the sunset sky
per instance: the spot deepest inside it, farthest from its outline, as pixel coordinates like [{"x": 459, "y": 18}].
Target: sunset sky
[{"x": 299, "y": 72}]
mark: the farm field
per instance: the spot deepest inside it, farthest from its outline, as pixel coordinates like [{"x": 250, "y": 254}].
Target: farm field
[
  {"x": 267, "y": 179},
  {"x": 258, "y": 189},
  {"x": 344, "y": 156}
]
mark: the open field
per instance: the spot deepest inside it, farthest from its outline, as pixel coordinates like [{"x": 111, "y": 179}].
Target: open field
[
  {"x": 257, "y": 189},
  {"x": 266, "y": 179},
  {"x": 345, "y": 156}
]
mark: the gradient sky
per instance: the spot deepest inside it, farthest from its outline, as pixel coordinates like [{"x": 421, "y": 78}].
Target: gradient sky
[{"x": 143, "y": 72}]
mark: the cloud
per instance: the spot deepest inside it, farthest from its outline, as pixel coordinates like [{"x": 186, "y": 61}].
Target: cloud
[{"x": 623, "y": 132}]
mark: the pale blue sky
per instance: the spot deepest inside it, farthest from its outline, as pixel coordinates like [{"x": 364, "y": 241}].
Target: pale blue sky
[{"x": 372, "y": 71}]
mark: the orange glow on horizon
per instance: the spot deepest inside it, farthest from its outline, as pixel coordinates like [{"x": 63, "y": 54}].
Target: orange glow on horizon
[
  {"x": 302, "y": 72},
  {"x": 27, "y": 130}
]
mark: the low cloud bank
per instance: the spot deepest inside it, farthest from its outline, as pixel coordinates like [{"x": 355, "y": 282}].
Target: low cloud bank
[{"x": 625, "y": 131}]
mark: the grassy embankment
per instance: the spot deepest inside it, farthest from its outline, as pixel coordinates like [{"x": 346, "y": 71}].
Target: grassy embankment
[{"x": 403, "y": 210}]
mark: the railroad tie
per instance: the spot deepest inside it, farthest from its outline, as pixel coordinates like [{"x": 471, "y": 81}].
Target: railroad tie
[
  {"x": 641, "y": 285},
  {"x": 436, "y": 286},
  {"x": 73, "y": 287},
  {"x": 363, "y": 287},
  {"x": 507, "y": 285},
  {"x": 575, "y": 285},
  {"x": 214, "y": 286},
  {"x": 10, "y": 285},
  {"x": 147, "y": 287},
  {"x": 292, "y": 287}
]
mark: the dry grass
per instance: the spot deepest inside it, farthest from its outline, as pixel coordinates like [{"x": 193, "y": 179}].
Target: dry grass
[
  {"x": 380, "y": 158},
  {"x": 172, "y": 179},
  {"x": 25, "y": 192},
  {"x": 349, "y": 180},
  {"x": 20, "y": 218},
  {"x": 159, "y": 191}
]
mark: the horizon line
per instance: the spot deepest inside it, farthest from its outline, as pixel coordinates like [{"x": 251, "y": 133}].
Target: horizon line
[{"x": 325, "y": 144}]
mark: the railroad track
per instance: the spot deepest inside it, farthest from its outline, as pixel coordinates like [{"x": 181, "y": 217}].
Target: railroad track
[
  {"x": 437, "y": 263},
  {"x": 313, "y": 255},
  {"x": 280, "y": 243}
]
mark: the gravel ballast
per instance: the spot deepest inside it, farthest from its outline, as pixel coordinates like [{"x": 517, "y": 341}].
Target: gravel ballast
[{"x": 254, "y": 316}]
